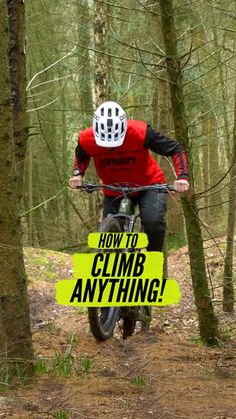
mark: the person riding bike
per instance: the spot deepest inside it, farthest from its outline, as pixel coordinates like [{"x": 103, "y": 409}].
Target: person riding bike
[{"x": 121, "y": 149}]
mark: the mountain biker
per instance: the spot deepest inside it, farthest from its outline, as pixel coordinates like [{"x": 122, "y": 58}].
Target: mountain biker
[{"x": 120, "y": 150}]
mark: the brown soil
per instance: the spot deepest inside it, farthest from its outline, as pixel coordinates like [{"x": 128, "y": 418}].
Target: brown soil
[{"x": 160, "y": 374}]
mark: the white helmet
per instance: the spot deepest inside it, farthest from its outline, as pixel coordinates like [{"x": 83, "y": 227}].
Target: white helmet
[{"x": 109, "y": 125}]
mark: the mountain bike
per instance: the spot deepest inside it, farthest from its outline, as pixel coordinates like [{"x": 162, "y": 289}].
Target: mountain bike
[{"x": 103, "y": 320}]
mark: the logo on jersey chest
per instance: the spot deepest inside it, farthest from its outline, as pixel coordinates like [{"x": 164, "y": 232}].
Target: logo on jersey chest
[{"x": 107, "y": 162}]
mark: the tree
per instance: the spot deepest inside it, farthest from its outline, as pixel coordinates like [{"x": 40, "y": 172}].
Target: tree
[
  {"x": 228, "y": 289},
  {"x": 16, "y": 15},
  {"x": 207, "y": 321},
  {"x": 100, "y": 35},
  {"x": 15, "y": 334}
]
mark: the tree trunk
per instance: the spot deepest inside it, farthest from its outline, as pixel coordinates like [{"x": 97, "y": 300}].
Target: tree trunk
[
  {"x": 64, "y": 163},
  {"x": 86, "y": 73},
  {"x": 228, "y": 289},
  {"x": 15, "y": 334},
  {"x": 31, "y": 199},
  {"x": 100, "y": 35},
  {"x": 206, "y": 164},
  {"x": 39, "y": 218},
  {"x": 16, "y": 16},
  {"x": 207, "y": 321}
]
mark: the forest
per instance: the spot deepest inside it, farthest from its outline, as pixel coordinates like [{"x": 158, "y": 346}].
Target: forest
[{"x": 172, "y": 64}]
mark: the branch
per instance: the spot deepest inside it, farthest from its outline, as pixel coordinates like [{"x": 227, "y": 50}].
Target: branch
[
  {"x": 147, "y": 10},
  {"x": 188, "y": 58},
  {"x": 51, "y": 81},
  {"x": 209, "y": 232},
  {"x": 115, "y": 56},
  {"x": 153, "y": 74},
  {"x": 218, "y": 190},
  {"x": 50, "y": 66},
  {"x": 132, "y": 9},
  {"x": 202, "y": 114},
  {"x": 216, "y": 205},
  {"x": 43, "y": 203},
  {"x": 219, "y": 61},
  {"x": 198, "y": 63},
  {"x": 181, "y": 37},
  {"x": 43, "y": 92},
  {"x": 157, "y": 46},
  {"x": 200, "y": 195},
  {"x": 142, "y": 62},
  {"x": 201, "y": 75},
  {"x": 224, "y": 29},
  {"x": 185, "y": 4},
  {"x": 43, "y": 106},
  {"x": 227, "y": 12},
  {"x": 129, "y": 87},
  {"x": 140, "y": 49}
]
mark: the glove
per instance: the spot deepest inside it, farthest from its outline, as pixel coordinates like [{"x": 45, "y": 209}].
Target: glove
[
  {"x": 181, "y": 185},
  {"x": 76, "y": 181}
]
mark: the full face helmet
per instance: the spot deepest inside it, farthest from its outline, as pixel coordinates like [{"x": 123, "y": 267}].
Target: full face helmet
[{"x": 109, "y": 125}]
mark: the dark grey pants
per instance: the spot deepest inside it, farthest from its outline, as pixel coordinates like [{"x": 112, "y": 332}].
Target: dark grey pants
[{"x": 152, "y": 207}]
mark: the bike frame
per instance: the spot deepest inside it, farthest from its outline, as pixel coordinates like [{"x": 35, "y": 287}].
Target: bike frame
[
  {"x": 103, "y": 329},
  {"x": 128, "y": 228},
  {"x": 125, "y": 208}
]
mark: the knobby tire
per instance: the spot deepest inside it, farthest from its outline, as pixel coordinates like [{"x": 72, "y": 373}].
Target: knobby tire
[{"x": 102, "y": 321}]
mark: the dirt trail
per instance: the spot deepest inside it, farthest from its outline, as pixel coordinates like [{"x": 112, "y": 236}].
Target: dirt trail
[
  {"x": 147, "y": 376},
  {"x": 160, "y": 374}
]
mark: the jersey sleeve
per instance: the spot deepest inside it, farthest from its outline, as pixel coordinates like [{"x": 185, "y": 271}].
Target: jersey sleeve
[
  {"x": 82, "y": 159},
  {"x": 164, "y": 146}
]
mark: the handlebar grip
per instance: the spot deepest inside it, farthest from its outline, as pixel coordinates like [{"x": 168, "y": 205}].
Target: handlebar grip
[{"x": 88, "y": 187}]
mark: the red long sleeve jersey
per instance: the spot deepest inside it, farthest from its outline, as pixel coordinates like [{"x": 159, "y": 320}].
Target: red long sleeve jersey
[{"x": 131, "y": 162}]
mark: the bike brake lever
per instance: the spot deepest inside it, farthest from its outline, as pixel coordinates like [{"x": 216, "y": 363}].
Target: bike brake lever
[{"x": 89, "y": 187}]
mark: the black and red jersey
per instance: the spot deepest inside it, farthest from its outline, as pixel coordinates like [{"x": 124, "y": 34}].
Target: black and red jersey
[{"x": 131, "y": 162}]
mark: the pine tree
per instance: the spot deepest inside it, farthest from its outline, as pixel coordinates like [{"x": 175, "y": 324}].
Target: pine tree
[{"x": 15, "y": 334}]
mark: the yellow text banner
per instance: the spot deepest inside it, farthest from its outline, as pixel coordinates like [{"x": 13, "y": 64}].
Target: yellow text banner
[
  {"x": 117, "y": 240},
  {"x": 118, "y": 279}
]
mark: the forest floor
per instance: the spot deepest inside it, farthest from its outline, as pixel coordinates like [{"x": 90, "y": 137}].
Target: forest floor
[{"x": 164, "y": 373}]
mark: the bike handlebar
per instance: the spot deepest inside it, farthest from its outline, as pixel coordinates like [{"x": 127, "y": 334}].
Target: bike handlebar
[{"x": 91, "y": 187}]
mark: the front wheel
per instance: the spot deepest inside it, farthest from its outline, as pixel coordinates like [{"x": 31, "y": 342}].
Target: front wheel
[{"x": 103, "y": 320}]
